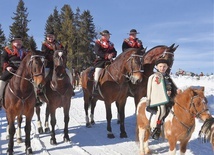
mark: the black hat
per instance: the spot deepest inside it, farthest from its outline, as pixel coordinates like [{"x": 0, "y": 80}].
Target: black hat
[
  {"x": 15, "y": 38},
  {"x": 162, "y": 61},
  {"x": 104, "y": 32},
  {"x": 50, "y": 33},
  {"x": 133, "y": 31}
]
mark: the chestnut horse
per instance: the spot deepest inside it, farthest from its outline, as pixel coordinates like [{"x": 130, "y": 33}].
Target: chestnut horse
[
  {"x": 161, "y": 51},
  {"x": 180, "y": 122},
  {"x": 20, "y": 97},
  {"x": 58, "y": 94},
  {"x": 113, "y": 86}
]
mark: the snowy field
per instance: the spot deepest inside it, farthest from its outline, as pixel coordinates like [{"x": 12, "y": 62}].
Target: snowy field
[{"x": 93, "y": 141}]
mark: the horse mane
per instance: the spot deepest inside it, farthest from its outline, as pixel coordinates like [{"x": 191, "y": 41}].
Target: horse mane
[
  {"x": 138, "y": 52},
  {"x": 155, "y": 47}
]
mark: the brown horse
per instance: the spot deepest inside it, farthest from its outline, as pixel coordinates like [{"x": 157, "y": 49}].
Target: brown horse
[
  {"x": 113, "y": 86},
  {"x": 179, "y": 124},
  {"x": 20, "y": 97},
  {"x": 164, "y": 52},
  {"x": 58, "y": 94}
]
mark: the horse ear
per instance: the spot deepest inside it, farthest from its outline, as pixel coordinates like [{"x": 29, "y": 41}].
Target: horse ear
[
  {"x": 202, "y": 88},
  {"x": 175, "y": 47},
  {"x": 172, "y": 46}
]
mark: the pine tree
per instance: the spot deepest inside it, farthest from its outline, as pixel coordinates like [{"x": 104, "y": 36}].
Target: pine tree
[
  {"x": 32, "y": 43},
  {"x": 2, "y": 44},
  {"x": 20, "y": 25}
]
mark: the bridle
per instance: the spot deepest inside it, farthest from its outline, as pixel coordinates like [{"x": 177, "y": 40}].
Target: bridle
[{"x": 30, "y": 64}]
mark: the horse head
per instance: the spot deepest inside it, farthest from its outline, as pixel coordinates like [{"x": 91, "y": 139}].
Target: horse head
[
  {"x": 194, "y": 102},
  {"x": 133, "y": 65},
  {"x": 35, "y": 65},
  {"x": 60, "y": 60},
  {"x": 161, "y": 52}
]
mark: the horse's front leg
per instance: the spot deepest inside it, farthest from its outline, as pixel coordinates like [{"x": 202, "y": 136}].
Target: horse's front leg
[
  {"x": 66, "y": 120},
  {"x": 109, "y": 117},
  {"x": 172, "y": 146},
  {"x": 53, "y": 123},
  {"x": 47, "y": 113},
  {"x": 11, "y": 136},
  {"x": 122, "y": 124},
  {"x": 93, "y": 105},
  {"x": 118, "y": 112},
  {"x": 86, "y": 106},
  {"x": 27, "y": 134},
  {"x": 183, "y": 147},
  {"x": 18, "y": 130},
  {"x": 39, "y": 123}
]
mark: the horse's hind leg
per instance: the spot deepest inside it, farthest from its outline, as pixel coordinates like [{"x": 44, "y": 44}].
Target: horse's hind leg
[
  {"x": 122, "y": 123},
  {"x": 109, "y": 117},
  {"x": 18, "y": 130},
  {"x": 86, "y": 106},
  {"x": 39, "y": 123},
  {"x": 93, "y": 105}
]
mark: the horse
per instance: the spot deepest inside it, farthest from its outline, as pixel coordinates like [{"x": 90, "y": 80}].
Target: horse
[
  {"x": 20, "y": 97},
  {"x": 58, "y": 94},
  {"x": 113, "y": 86},
  {"x": 207, "y": 131},
  {"x": 180, "y": 122},
  {"x": 158, "y": 52}
]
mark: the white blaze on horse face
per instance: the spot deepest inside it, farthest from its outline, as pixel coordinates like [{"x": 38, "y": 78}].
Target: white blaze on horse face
[{"x": 60, "y": 54}]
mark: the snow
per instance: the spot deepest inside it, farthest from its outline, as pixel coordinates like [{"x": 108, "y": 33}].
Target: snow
[{"x": 94, "y": 141}]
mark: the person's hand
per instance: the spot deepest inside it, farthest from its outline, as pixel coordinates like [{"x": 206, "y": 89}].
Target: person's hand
[
  {"x": 179, "y": 91},
  {"x": 110, "y": 56},
  {"x": 9, "y": 69},
  {"x": 168, "y": 93}
]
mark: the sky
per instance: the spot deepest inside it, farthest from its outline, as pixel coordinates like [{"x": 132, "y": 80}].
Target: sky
[
  {"x": 93, "y": 141},
  {"x": 189, "y": 24}
]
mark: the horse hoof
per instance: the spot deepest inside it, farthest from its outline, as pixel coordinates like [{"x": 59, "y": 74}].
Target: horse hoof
[
  {"x": 29, "y": 151},
  {"x": 40, "y": 130},
  {"x": 53, "y": 142},
  {"x": 110, "y": 135},
  {"x": 47, "y": 130},
  {"x": 67, "y": 139},
  {"x": 92, "y": 122},
  {"x": 88, "y": 125},
  {"x": 10, "y": 152},
  {"x": 19, "y": 140},
  {"x": 123, "y": 135}
]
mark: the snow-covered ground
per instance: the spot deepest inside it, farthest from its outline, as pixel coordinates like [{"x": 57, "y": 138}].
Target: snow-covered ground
[{"x": 93, "y": 141}]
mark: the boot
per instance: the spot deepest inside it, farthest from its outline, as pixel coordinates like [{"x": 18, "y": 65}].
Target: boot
[
  {"x": 38, "y": 102},
  {"x": 95, "y": 89},
  {"x": 2, "y": 86},
  {"x": 156, "y": 132}
]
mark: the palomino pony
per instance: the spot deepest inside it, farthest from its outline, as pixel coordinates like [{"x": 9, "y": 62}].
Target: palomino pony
[
  {"x": 113, "y": 86},
  {"x": 20, "y": 97},
  {"x": 58, "y": 94},
  {"x": 164, "y": 52},
  {"x": 179, "y": 124}
]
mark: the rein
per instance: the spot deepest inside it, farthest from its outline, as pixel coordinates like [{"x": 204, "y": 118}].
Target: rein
[{"x": 125, "y": 75}]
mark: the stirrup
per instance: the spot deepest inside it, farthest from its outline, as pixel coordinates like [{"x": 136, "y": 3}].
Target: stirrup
[
  {"x": 156, "y": 133},
  {"x": 38, "y": 102}
]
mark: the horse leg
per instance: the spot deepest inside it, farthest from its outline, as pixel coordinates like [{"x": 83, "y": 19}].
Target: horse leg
[
  {"x": 109, "y": 117},
  {"x": 53, "y": 123},
  {"x": 39, "y": 123},
  {"x": 143, "y": 140},
  {"x": 66, "y": 120},
  {"x": 122, "y": 124},
  {"x": 118, "y": 113},
  {"x": 27, "y": 134},
  {"x": 86, "y": 106},
  {"x": 11, "y": 135},
  {"x": 18, "y": 130},
  {"x": 183, "y": 147},
  {"x": 172, "y": 146},
  {"x": 93, "y": 105},
  {"x": 47, "y": 113}
]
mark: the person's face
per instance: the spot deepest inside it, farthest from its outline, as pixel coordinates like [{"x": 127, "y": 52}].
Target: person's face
[
  {"x": 134, "y": 35},
  {"x": 106, "y": 36},
  {"x": 17, "y": 43},
  {"x": 162, "y": 67},
  {"x": 50, "y": 38}
]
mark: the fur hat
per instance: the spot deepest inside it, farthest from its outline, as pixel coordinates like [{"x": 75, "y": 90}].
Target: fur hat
[
  {"x": 15, "y": 38},
  {"x": 133, "y": 31},
  {"x": 104, "y": 32},
  {"x": 162, "y": 61},
  {"x": 50, "y": 33}
]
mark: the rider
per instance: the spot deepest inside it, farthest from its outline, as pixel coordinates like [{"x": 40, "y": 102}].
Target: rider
[
  {"x": 11, "y": 59},
  {"x": 161, "y": 91},
  {"x": 132, "y": 41},
  {"x": 48, "y": 47},
  {"x": 105, "y": 51}
]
